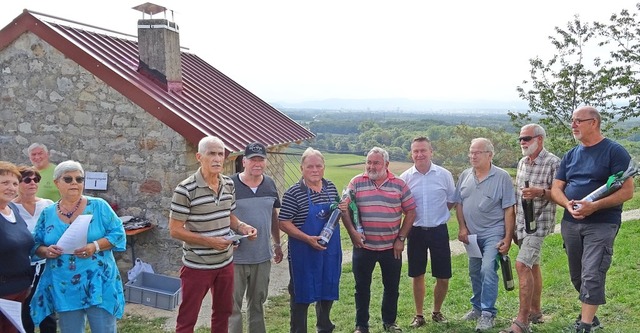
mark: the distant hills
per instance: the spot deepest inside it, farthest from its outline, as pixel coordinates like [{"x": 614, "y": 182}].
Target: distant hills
[{"x": 406, "y": 105}]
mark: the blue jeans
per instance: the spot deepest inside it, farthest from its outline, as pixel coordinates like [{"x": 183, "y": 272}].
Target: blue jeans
[
  {"x": 100, "y": 321},
  {"x": 484, "y": 276},
  {"x": 364, "y": 261}
]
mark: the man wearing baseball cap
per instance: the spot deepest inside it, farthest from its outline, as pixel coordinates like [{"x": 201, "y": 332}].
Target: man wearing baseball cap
[{"x": 257, "y": 203}]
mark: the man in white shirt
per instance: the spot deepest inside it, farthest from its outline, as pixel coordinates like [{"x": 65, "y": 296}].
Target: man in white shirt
[{"x": 433, "y": 189}]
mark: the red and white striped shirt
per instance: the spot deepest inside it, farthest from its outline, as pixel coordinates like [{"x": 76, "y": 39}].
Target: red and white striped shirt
[{"x": 381, "y": 208}]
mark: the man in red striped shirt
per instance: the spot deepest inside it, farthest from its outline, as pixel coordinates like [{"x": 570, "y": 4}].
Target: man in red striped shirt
[{"x": 382, "y": 199}]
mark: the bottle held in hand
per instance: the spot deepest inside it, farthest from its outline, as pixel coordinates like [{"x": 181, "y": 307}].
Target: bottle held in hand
[
  {"x": 329, "y": 227},
  {"x": 353, "y": 208},
  {"x": 507, "y": 273},
  {"x": 614, "y": 183},
  {"x": 530, "y": 225}
]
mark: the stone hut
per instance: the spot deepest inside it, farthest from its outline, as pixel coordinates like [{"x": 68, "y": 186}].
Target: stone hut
[{"x": 133, "y": 107}]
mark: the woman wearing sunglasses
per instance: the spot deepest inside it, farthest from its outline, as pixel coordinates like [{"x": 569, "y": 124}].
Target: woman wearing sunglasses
[
  {"x": 15, "y": 245},
  {"x": 83, "y": 282},
  {"x": 30, "y": 207}
]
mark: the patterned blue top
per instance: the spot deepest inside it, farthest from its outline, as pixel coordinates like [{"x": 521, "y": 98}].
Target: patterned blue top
[{"x": 72, "y": 283}]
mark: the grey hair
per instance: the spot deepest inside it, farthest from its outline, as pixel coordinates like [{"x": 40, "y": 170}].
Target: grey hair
[
  {"x": 311, "y": 152},
  {"x": 378, "y": 150},
  {"x": 67, "y": 166},
  {"x": 537, "y": 130},
  {"x": 37, "y": 145},
  {"x": 488, "y": 146},
  {"x": 207, "y": 140}
]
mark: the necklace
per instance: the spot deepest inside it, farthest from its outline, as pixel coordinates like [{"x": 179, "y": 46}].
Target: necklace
[{"x": 69, "y": 214}]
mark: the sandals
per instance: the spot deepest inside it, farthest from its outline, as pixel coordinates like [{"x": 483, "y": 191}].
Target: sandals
[
  {"x": 523, "y": 328},
  {"x": 536, "y": 318}
]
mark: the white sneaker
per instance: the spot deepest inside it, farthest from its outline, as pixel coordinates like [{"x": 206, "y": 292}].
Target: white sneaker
[
  {"x": 485, "y": 322},
  {"x": 474, "y": 314}
]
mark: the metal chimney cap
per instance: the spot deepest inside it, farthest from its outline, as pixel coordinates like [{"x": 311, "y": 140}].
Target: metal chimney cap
[{"x": 150, "y": 8}]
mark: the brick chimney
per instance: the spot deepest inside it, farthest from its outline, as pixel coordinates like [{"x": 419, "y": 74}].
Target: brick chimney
[{"x": 159, "y": 48}]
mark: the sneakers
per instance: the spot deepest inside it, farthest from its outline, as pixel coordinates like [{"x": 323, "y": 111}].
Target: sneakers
[
  {"x": 583, "y": 328},
  {"x": 485, "y": 322},
  {"x": 474, "y": 314},
  {"x": 418, "y": 321},
  {"x": 438, "y": 317},
  {"x": 393, "y": 328},
  {"x": 594, "y": 325}
]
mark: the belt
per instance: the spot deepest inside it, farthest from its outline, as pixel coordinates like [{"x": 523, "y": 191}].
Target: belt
[{"x": 427, "y": 228}]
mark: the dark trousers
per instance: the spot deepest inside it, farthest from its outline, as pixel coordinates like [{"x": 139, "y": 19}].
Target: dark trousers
[
  {"x": 364, "y": 261},
  {"x": 299, "y": 313},
  {"x": 48, "y": 324}
]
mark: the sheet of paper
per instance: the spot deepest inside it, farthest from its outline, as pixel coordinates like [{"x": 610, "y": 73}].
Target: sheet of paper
[
  {"x": 13, "y": 311},
  {"x": 235, "y": 237},
  {"x": 76, "y": 235},
  {"x": 473, "y": 250}
]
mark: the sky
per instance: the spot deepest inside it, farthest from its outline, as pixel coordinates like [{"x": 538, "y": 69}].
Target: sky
[{"x": 298, "y": 50}]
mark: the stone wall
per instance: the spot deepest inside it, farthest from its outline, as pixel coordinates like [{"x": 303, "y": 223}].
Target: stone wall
[{"x": 46, "y": 97}]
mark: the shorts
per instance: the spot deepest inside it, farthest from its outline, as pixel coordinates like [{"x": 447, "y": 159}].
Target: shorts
[
  {"x": 436, "y": 241},
  {"x": 530, "y": 248},
  {"x": 589, "y": 248}
]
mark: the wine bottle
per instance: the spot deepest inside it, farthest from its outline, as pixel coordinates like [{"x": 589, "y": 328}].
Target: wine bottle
[
  {"x": 530, "y": 225},
  {"x": 507, "y": 273},
  {"x": 329, "y": 227}
]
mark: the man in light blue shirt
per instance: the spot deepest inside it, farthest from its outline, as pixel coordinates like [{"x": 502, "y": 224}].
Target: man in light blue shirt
[{"x": 433, "y": 190}]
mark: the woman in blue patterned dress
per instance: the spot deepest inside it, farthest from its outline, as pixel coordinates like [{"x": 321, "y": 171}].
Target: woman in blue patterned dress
[{"x": 81, "y": 283}]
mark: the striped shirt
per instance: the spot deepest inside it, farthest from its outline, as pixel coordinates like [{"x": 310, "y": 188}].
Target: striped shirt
[
  {"x": 207, "y": 214},
  {"x": 381, "y": 209},
  {"x": 295, "y": 204},
  {"x": 540, "y": 173}
]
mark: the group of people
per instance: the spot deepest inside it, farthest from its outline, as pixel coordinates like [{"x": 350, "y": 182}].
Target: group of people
[
  {"x": 413, "y": 208},
  {"x": 230, "y": 231},
  {"x": 58, "y": 287}
]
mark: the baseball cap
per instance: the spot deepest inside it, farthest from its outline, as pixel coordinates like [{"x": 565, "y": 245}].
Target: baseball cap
[{"x": 255, "y": 149}]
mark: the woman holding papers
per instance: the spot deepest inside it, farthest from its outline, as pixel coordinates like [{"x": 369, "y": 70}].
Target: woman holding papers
[
  {"x": 30, "y": 208},
  {"x": 15, "y": 244},
  {"x": 77, "y": 236}
]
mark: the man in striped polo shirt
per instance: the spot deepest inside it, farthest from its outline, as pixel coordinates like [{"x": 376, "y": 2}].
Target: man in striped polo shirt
[
  {"x": 201, "y": 216},
  {"x": 381, "y": 199}
]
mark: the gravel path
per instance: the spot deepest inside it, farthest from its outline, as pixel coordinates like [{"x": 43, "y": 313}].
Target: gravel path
[{"x": 278, "y": 285}]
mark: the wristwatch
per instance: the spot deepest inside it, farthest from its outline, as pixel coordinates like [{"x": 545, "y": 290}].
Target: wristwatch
[{"x": 402, "y": 238}]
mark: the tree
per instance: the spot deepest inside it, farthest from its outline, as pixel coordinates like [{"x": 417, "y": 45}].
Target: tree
[{"x": 594, "y": 65}]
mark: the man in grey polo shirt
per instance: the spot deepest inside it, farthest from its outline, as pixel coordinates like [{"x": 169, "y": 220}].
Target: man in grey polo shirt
[
  {"x": 485, "y": 207},
  {"x": 257, "y": 203}
]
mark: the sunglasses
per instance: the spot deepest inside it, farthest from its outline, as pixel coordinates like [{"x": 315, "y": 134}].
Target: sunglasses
[
  {"x": 69, "y": 179},
  {"x": 527, "y": 138},
  {"x": 28, "y": 180}
]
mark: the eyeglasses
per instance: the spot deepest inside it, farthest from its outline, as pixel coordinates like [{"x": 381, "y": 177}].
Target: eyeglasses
[
  {"x": 579, "y": 121},
  {"x": 69, "y": 179},
  {"x": 476, "y": 153},
  {"x": 28, "y": 180},
  {"x": 527, "y": 138}
]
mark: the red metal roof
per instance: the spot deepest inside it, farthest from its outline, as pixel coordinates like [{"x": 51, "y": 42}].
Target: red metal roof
[{"x": 210, "y": 104}]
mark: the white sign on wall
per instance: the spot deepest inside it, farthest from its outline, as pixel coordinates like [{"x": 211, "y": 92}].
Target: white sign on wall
[{"x": 95, "y": 181}]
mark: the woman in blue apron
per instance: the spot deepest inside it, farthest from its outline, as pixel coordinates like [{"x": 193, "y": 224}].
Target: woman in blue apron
[{"x": 314, "y": 269}]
